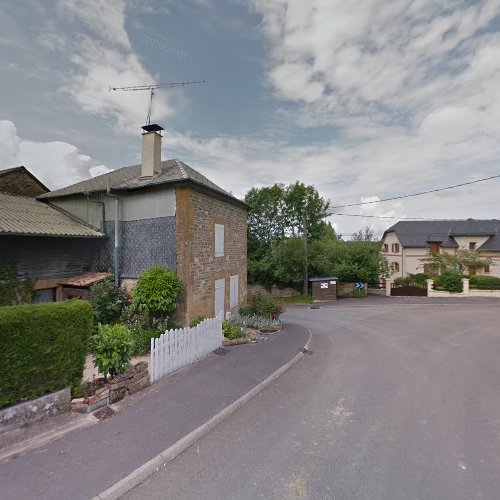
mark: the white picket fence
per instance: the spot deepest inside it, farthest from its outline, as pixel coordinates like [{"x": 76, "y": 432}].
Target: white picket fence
[{"x": 177, "y": 348}]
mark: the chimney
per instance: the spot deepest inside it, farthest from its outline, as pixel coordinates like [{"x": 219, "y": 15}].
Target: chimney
[{"x": 151, "y": 150}]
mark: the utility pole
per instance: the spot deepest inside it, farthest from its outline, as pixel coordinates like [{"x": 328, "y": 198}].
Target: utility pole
[
  {"x": 306, "y": 274},
  {"x": 152, "y": 88}
]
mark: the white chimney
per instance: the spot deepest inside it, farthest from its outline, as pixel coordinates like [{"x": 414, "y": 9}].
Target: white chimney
[{"x": 151, "y": 150}]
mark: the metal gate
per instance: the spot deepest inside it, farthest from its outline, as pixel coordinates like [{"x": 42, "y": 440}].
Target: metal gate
[{"x": 411, "y": 290}]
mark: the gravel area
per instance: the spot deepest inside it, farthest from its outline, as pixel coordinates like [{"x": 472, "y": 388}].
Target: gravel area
[{"x": 91, "y": 372}]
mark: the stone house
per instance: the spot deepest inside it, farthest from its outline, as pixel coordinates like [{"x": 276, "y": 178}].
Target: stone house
[
  {"x": 166, "y": 213},
  {"x": 407, "y": 242}
]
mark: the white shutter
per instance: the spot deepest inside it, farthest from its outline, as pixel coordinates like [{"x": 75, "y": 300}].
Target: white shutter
[
  {"x": 233, "y": 291},
  {"x": 219, "y": 296},
  {"x": 219, "y": 240}
]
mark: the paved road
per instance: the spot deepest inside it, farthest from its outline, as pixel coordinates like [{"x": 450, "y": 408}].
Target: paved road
[{"x": 396, "y": 402}]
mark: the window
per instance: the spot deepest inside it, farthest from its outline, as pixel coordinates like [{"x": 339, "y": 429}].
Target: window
[
  {"x": 427, "y": 268},
  {"x": 386, "y": 247},
  {"x": 472, "y": 245},
  {"x": 219, "y": 240},
  {"x": 487, "y": 268},
  {"x": 395, "y": 248},
  {"x": 434, "y": 247},
  {"x": 395, "y": 266},
  {"x": 233, "y": 291}
]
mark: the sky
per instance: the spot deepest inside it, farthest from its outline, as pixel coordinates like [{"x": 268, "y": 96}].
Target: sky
[{"x": 363, "y": 99}]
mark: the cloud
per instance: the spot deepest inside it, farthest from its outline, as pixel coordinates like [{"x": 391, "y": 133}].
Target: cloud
[{"x": 56, "y": 164}]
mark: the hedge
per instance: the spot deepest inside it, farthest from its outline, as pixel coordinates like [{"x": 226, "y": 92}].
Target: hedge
[
  {"x": 481, "y": 282},
  {"x": 42, "y": 348}
]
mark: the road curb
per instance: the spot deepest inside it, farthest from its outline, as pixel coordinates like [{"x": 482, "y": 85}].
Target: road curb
[{"x": 144, "y": 471}]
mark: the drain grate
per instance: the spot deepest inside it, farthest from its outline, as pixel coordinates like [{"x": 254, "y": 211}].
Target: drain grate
[
  {"x": 104, "y": 413},
  {"x": 220, "y": 351}
]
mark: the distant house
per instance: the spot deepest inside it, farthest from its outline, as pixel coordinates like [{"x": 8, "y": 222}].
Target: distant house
[
  {"x": 407, "y": 242},
  {"x": 40, "y": 241},
  {"x": 166, "y": 213}
]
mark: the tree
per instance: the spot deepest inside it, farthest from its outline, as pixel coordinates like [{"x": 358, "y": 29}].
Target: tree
[
  {"x": 365, "y": 234},
  {"x": 462, "y": 260}
]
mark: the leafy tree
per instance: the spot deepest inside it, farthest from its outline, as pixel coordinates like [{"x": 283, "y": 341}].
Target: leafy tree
[
  {"x": 157, "y": 291},
  {"x": 365, "y": 234},
  {"x": 462, "y": 260}
]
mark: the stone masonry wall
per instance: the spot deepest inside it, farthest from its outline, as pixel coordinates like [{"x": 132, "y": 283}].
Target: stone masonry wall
[
  {"x": 197, "y": 266},
  {"x": 20, "y": 183}
]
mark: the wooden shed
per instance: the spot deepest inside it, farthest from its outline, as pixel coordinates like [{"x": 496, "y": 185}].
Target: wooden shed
[{"x": 324, "y": 288}]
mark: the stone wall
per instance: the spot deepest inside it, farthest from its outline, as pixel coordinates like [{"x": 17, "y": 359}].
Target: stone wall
[
  {"x": 21, "y": 183},
  {"x": 275, "y": 291},
  {"x": 197, "y": 266},
  {"x": 348, "y": 289},
  {"x": 35, "y": 410}
]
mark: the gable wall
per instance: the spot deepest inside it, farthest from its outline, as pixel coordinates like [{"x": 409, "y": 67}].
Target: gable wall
[
  {"x": 20, "y": 183},
  {"x": 197, "y": 266}
]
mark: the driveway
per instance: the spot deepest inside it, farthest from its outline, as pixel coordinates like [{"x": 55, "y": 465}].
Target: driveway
[{"x": 397, "y": 401}]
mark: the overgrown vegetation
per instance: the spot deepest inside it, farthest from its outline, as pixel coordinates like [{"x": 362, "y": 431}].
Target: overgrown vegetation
[
  {"x": 418, "y": 279},
  {"x": 266, "y": 306},
  {"x": 112, "y": 348},
  {"x": 460, "y": 261},
  {"x": 42, "y": 348},
  {"x": 108, "y": 301},
  {"x": 196, "y": 321},
  {"x": 14, "y": 291}
]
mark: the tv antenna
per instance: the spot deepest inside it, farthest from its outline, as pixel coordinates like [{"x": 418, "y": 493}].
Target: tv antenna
[{"x": 152, "y": 88}]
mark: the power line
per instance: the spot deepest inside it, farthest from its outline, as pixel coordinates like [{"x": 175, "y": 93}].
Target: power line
[
  {"x": 383, "y": 217},
  {"x": 417, "y": 194}
]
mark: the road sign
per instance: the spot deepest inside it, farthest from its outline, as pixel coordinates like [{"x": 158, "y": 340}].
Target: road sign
[{"x": 360, "y": 286}]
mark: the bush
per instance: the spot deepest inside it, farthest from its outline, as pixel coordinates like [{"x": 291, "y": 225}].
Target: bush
[
  {"x": 231, "y": 331},
  {"x": 484, "y": 282},
  {"x": 266, "y": 305},
  {"x": 112, "y": 349},
  {"x": 13, "y": 291},
  {"x": 141, "y": 339},
  {"x": 450, "y": 281},
  {"x": 42, "y": 348},
  {"x": 157, "y": 291},
  {"x": 108, "y": 301},
  {"x": 196, "y": 321},
  {"x": 418, "y": 279},
  {"x": 246, "y": 311}
]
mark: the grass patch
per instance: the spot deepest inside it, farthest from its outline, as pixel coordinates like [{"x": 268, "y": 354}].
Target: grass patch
[{"x": 298, "y": 299}]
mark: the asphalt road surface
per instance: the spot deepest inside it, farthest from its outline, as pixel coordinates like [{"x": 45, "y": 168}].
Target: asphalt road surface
[{"x": 397, "y": 401}]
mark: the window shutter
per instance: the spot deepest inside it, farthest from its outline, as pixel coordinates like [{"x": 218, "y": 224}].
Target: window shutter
[
  {"x": 219, "y": 240},
  {"x": 233, "y": 291}
]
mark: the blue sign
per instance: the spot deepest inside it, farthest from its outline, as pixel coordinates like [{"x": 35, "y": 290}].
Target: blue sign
[{"x": 360, "y": 286}]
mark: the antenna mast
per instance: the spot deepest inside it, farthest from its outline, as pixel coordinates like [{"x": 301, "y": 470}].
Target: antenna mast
[{"x": 152, "y": 89}]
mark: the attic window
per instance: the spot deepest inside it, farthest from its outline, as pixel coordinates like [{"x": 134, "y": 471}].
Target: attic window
[{"x": 472, "y": 245}]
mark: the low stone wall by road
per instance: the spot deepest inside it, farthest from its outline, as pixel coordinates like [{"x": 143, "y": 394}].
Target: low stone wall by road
[
  {"x": 275, "y": 291},
  {"x": 45, "y": 406}
]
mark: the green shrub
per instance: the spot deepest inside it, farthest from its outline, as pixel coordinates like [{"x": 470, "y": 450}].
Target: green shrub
[
  {"x": 196, "y": 321},
  {"x": 231, "y": 331},
  {"x": 13, "y": 291},
  {"x": 450, "y": 281},
  {"x": 157, "y": 291},
  {"x": 42, "y": 348},
  {"x": 484, "y": 282},
  {"x": 112, "y": 349},
  {"x": 246, "y": 311},
  {"x": 108, "y": 301},
  {"x": 412, "y": 279},
  {"x": 141, "y": 339}
]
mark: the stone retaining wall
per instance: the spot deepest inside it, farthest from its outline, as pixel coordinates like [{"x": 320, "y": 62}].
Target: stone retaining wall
[
  {"x": 35, "y": 410},
  {"x": 275, "y": 291},
  {"x": 135, "y": 378}
]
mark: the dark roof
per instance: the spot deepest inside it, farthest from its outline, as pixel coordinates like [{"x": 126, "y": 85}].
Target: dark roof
[
  {"x": 25, "y": 216},
  {"x": 418, "y": 234},
  {"x": 173, "y": 172}
]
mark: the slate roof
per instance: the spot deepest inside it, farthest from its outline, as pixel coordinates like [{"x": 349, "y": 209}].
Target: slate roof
[
  {"x": 173, "y": 172},
  {"x": 418, "y": 234},
  {"x": 25, "y": 216}
]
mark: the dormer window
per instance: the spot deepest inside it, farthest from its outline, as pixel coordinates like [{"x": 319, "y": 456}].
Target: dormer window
[
  {"x": 434, "y": 247},
  {"x": 472, "y": 245}
]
